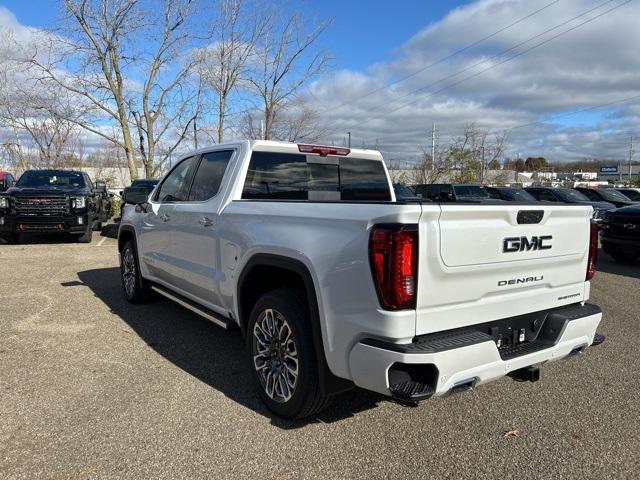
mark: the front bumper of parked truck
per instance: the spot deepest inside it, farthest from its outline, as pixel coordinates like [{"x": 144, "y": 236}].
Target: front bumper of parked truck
[
  {"x": 15, "y": 224},
  {"x": 460, "y": 359}
]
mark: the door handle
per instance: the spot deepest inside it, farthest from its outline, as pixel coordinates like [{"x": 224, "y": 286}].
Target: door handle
[
  {"x": 205, "y": 222},
  {"x": 164, "y": 217}
]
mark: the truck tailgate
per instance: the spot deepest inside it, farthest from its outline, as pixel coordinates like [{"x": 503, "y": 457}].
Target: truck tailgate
[{"x": 480, "y": 262}]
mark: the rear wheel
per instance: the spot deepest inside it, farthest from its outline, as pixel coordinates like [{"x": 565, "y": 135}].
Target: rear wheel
[
  {"x": 136, "y": 289},
  {"x": 280, "y": 345},
  {"x": 97, "y": 226}
]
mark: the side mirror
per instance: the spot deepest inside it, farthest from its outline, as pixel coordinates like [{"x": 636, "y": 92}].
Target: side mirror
[
  {"x": 135, "y": 195},
  {"x": 100, "y": 187}
]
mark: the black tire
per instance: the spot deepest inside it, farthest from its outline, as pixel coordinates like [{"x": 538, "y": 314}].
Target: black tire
[
  {"x": 10, "y": 239},
  {"x": 97, "y": 226},
  {"x": 87, "y": 236},
  {"x": 623, "y": 257},
  {"x": 136, "y": 289},
  {"x": 305, "y": 398}
]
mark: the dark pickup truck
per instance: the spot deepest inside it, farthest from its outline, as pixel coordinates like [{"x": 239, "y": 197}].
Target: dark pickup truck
[
  {"x": 620, "y": 234},
  {"x": 48, "y": 201}
]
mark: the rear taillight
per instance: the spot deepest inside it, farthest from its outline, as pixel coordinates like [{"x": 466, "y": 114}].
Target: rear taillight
[
  {"x": 593, "y": 251},
  {"x": 393, "y": 254}
]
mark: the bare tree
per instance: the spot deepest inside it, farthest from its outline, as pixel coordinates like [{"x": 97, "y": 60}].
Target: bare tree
[
  {"x": 284, "y": 62},
  {"x": 472, "y": 152},
  {"x": 238, "y": 26},
  {"x": 41, "y": 119},
  {"x": 296, "y": 122},
  {"x": 109, "y": 48}
]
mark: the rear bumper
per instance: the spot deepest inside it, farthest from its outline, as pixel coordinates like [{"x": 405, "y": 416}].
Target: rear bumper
[
  {"x": 12, "y": 224},
  {"x": 469, "y": 357}
]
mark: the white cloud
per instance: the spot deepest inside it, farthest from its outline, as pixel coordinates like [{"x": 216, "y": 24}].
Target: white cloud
[{"x": 594, "y": 64}]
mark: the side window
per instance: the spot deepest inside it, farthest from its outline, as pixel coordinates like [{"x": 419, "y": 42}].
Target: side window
[
  {"x": 546, "y": 196},
  {"x": 590, "y": 194},
  {"x": 446, "y": 193},
  {"x": 206, "y": 182},
  {"x": 174, "y": 186},
  {"x": 88, "y": 181}
]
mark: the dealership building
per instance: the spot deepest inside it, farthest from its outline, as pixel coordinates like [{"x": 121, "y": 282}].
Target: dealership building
[{"x": 618, "y": 172}]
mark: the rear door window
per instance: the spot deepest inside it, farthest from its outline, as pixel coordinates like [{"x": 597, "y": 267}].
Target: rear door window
[
  {"x": 208, "y": 177},
  {"x": 286, "y": 176}
]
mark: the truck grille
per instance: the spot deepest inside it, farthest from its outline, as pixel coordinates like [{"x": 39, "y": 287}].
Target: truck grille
[
  {"x": 54, "y": 205},
  {"x": 624, "y": 226}
]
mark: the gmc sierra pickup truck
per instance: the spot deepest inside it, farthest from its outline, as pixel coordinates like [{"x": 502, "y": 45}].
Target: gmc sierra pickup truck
[
  {"x": 333, "y": 282},
  {"x": 54, "y": 201}
]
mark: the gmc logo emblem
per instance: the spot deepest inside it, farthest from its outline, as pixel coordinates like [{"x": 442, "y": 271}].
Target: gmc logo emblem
[
  {"x": 38, "y": 201},
  {"x": 521, "y": 244}
]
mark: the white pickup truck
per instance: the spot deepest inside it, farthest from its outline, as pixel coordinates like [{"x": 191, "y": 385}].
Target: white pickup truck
[{"x": 333, "y": 282}]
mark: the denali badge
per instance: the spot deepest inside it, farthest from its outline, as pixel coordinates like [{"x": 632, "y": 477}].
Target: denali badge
[
  {"x": 517, "y": 281},
  {"x": 520, "y": 244}
]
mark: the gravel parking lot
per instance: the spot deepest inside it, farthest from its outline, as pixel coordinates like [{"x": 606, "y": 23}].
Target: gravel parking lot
[{"x": 92, "y": 387}]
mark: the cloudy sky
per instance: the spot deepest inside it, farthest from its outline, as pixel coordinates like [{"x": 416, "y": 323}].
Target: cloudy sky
[
  {"x": 560, "y": 65},
  {"x": 561, "y": 77}
]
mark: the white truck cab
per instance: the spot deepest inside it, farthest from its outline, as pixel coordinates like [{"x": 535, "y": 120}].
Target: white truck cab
[{"x": 333, "y": 282}]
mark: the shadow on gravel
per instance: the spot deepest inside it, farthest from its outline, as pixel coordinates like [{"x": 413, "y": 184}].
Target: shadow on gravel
[
  {"x": 209, "y": 353},
  {"x": 607, "y": 264}
]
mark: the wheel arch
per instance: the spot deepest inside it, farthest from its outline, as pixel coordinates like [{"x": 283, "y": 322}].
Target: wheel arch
[
  {"x": 292, "y": 273},
  {"x": 125, "y": 233}
]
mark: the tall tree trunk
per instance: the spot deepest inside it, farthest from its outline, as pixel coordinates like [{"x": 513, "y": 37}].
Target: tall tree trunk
[
  {"x": 221, "y": 110},
  {"x": 128, "y": 150}
]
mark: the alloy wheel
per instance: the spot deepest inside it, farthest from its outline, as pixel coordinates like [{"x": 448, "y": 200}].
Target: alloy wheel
[
  {"x": 275, "y": 355},
  {"x": 129, "y": 271}
]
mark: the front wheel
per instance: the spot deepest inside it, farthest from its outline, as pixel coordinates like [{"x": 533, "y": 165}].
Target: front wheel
[
  {"x": 283, "y": 359},
  {"x": 136, "y": 289},
  {"x": 10, "y": 239},
  {"x": 86, "y": 236}
]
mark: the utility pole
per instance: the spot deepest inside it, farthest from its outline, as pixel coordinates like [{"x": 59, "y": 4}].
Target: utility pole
[
  {"x": 630, "y": 155},
  {"x": 349, "y": 141},
  {"x": 482, "y": 167},
  {"x": 433, "y": 146}
]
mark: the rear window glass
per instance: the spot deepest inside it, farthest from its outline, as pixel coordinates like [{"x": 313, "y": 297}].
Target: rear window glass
[
  {"x": 470, "y": 191},
  {"x": 286, "y": 176}
]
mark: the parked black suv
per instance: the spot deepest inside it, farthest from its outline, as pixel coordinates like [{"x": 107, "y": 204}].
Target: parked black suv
[
  {"x": 569, "y": 195},
  {"x": 45, "y": 201},
  {"x": 606, "y": 195},
  {"x": 450, "y": 192},
  {"x": 510, "y": 194},
  {"x": 620, "y": 234},
  {"x": 631, "y": 193}
]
